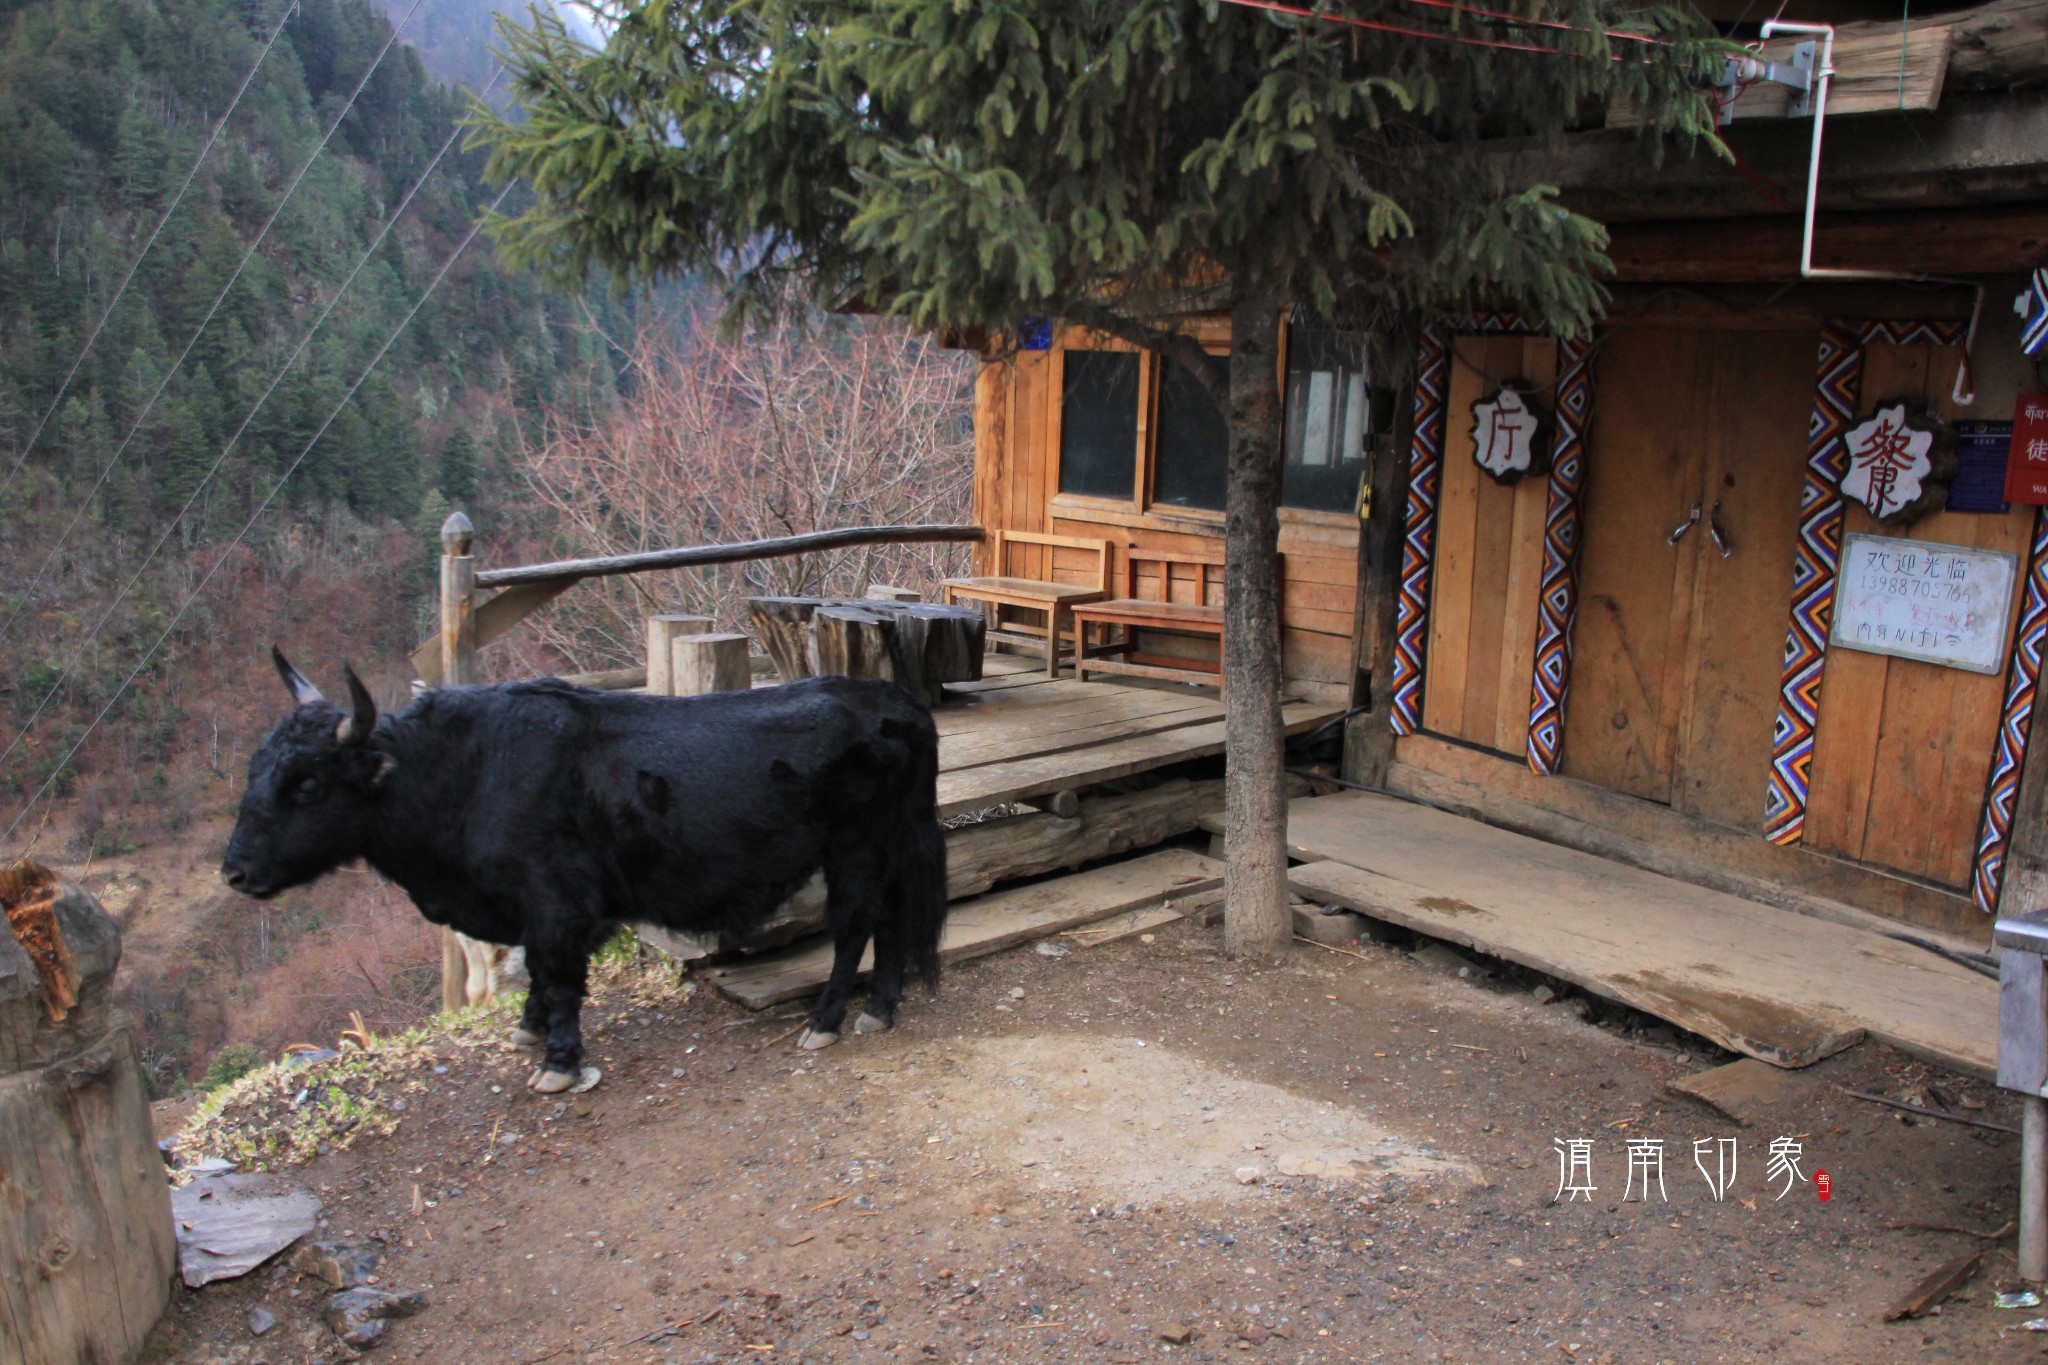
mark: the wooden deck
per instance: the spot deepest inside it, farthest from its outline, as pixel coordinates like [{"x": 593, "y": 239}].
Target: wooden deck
[
  {"x": 1018, "y": 734},
  {"x": 1781, "y": 986}
]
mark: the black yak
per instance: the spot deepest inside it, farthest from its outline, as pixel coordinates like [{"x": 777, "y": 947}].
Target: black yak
[{"x": 544, "y": 815}]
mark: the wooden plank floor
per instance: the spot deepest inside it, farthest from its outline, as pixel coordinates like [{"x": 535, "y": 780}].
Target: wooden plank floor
[
  {"x": 1777, "y": 985},
  {"x": 1018, "y": 734}
]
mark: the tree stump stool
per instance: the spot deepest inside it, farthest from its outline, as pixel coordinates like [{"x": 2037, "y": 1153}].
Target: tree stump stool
[
  {"x": 919, "y": 645},
  {"x": 87, "y": 1248}
]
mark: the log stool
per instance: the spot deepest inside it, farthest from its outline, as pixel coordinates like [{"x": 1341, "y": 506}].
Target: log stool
[
  {"x": 87, "y": 1249},
  {"x": 918, "y": 645}
]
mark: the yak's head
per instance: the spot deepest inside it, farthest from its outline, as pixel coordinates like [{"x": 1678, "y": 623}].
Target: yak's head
[{"x": 313, "y": 790}]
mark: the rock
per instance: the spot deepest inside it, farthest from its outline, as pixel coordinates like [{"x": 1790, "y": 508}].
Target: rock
[
  {"x": 1176, "y": 1334},
  {"x": 261, "y": 1320},
  {"x": 1016, "y": 992},
  {"x": 1249, "y": 1175},
  {"x": 1049, "y": 948},
  {"x": 1543, "y": 995},
  {"x": 227, "y": 1225},
  {"x": 344, "y": 1265},
  {"x": 1334, "y": 930},
  {"x": 1444, "y": 959},
  {"x": 359, "y": 1316}
]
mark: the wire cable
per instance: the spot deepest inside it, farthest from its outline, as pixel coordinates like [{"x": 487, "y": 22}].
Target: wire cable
[
  {"x": 275, "y": 380},
  {"x": 58, "y": 398},
  {"x": 28, "y": 588},
  {"x": 254, "y": 516}
]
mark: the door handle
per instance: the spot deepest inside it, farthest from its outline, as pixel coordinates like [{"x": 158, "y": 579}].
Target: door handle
[
  {"x": 1714, "y": 529},
  {"x": 1678, "y": 531}
]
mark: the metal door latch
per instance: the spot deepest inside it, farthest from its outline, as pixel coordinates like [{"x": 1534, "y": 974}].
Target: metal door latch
[
  {"x": 1714, "y": 529},
  {"x": 1796, "y": 75},
  {"x": 1678, "y": 531}
]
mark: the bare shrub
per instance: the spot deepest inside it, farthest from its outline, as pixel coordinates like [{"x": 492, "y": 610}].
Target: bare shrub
[{"x": 809, "y": 425}]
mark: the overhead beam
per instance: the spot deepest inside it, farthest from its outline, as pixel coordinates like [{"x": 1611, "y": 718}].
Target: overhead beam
[{"x": 1766, "y": 250}]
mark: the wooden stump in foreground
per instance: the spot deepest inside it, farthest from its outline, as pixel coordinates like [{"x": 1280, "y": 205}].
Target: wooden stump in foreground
[{"x": 87, "y": 1249}]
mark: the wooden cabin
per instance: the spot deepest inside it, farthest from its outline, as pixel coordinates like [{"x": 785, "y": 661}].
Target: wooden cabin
[{"x": 1692, "y": 633}]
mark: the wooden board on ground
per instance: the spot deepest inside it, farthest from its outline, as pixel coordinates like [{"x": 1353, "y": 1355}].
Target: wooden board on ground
[
  {"x": 1786, "y": 988},
  {"x": 1741, "y": 1090},
  {"x": 990, "y": 923},
  {"x": 1033, "y": 773}
]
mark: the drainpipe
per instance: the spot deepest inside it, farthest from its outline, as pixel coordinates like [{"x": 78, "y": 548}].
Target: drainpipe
[{"x": 1964, "y": 392}]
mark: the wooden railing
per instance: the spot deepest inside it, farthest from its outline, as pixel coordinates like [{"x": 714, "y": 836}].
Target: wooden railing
[{"x": 467, "y": 625}]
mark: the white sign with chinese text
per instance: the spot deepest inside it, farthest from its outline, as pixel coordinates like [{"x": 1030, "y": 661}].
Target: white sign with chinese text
[
  {"x": 1889, "y": 459},
  {"x": 1941, "y": 604},
  {"x": 1504, "y": 434}
]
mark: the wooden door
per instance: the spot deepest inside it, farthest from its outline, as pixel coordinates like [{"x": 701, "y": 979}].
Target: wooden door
[
  {"x": 1489, "y": 562},
  {"x": 1645, "y": 455},
  {"x": 1677, "y": 647},
  {"x": 1903, "y": 748}
]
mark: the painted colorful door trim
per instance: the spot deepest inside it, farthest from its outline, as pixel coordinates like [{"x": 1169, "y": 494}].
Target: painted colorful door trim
[
  {"x": 1558, "y": 592},
  {"x": 1558, "y": 598},
  {"x": 2022, "y": 679},
  {"x": 1817, "y": 555}
]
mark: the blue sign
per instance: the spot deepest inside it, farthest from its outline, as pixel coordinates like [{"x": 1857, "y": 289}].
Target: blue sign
[
  {"x": 1035, "y": 334},
  {"x": 1981, "y": 448}
]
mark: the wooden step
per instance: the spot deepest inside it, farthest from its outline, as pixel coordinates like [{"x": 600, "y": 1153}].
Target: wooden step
[{"x": 988, "y": 924}]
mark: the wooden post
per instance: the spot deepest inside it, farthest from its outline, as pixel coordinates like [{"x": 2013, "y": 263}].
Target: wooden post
[
  {"x": 709, "y": 663},
  {"x": 458, "y": 668},
  {"x": 87, "y": 1246},
  {"x": 2033, "y": 1188},
  {"x": 850, "y": 641},
  {"x": 1368, "y": 736},
  {"x": 882, "y": 592},
  {"x": 783, "y": 626},
  {"x": 662, "y": 632}
]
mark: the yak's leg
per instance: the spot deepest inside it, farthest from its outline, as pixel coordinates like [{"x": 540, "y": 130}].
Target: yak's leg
[
  {"x": 560, "y": 970},
  {"x": 850, "y": 887},
  {"x": 532, "y": 1028},
  {"x": 885, "y": 988}
]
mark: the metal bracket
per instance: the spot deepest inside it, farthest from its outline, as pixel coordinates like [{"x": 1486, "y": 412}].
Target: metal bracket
[{"x": 1795, "y": 75}]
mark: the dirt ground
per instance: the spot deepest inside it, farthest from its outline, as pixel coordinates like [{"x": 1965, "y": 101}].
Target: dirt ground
[{"x": 1048, "y": 1163}]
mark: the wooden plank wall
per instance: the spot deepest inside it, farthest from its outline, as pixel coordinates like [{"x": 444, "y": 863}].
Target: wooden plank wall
[
  {"x": 1015, "y": 488},
  {"x": 1489, "y": 562},
  {"x": 1904, "y": 748}
]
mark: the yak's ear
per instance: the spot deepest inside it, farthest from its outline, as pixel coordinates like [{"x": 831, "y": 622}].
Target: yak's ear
[
  {"x": 294, "y": 681},
  {"x": 362, "y": 717}
]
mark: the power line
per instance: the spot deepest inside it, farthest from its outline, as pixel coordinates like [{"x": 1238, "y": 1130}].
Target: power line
[
  {"x": 261, "y": 508},
  {"x": 275, "y": 380},
  {"x": 28, "y": 589},
  {"x": 176, "y": 199}
]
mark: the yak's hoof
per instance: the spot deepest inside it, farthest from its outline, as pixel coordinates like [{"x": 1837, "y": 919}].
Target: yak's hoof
[
  {"x": 812, "y": 1040},
  {"x": 521, "y": 1037},
  {"x": 867, "y": 1023},
  {"x": 550, "y": 1082}
]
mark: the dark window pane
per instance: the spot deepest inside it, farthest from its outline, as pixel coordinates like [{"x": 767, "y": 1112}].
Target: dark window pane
[
  {"x": 1099, "y": 424},
  {"x": 1191, "y": 458},
  {"x": 1328, "y": 419}
]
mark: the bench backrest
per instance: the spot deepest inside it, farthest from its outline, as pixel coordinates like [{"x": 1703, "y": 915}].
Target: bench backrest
[
  {"x": 1200, "y": 569},
  {"x": 1099, "y": 548}
]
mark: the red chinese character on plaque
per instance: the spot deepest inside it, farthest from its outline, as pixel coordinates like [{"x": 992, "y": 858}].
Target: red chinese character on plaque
[
  {"x": 1505, "y": 431},
  {"x": 2026, "y": 465},
  {"x": 1889, "y": 461}
]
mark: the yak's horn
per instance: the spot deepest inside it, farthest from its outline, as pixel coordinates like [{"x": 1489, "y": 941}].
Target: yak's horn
[
  {"x": 294, "y": 681},
  {"x": 362, "y": 717}
]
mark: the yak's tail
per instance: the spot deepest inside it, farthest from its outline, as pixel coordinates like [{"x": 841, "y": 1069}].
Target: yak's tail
[{"x": 916, "y": 895}]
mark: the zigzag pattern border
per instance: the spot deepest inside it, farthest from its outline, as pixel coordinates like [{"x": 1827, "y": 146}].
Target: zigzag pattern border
[
  {"x": 1558, "y": 597},
  {"x": 1817, "y": 554},
  {"x": 2023, "y": 678},
  {"x": 1418, "y": 525}
]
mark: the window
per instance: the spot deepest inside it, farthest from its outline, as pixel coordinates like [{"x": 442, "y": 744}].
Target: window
[
  {"x": 1190, "y": 459},
  {"x": 1327, "y": 420},
  {"x": 1099, "y": 424}
]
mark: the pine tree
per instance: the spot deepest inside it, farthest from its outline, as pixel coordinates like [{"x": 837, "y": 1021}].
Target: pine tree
[
  {"x": 459, "y": 469},
  {"x": 1115, "y": 163}
]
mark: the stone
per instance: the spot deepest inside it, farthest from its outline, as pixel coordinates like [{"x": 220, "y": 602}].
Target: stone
[
  {"x": 1543, "y": 995},
  {"x": 1176, "y": 1334},
  {"x": 1249, "y": 1175},
  {"x": 1016, "y": 992},
  {"x": 359, "y": 1316},
  {"x": 1444, "y": 959},
  {"x": 343, "y": 1265},
  {"x": 1332, "y": 930},
  {"x": 261, "y": 1320}
]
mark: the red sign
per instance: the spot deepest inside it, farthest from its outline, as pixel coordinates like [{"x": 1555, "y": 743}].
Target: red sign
[
  {"x": 2026, "y": 467},
  {"x": 1822, "y": 1185}
]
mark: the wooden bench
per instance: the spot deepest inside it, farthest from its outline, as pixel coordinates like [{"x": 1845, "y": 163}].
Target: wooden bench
[
  {"x": 1055, "y": 600},
  {"x": 1202, "y": 616}
]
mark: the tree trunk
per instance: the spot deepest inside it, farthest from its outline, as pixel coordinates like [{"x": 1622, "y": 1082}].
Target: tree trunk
[{"x": 1255, "y": 918}]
